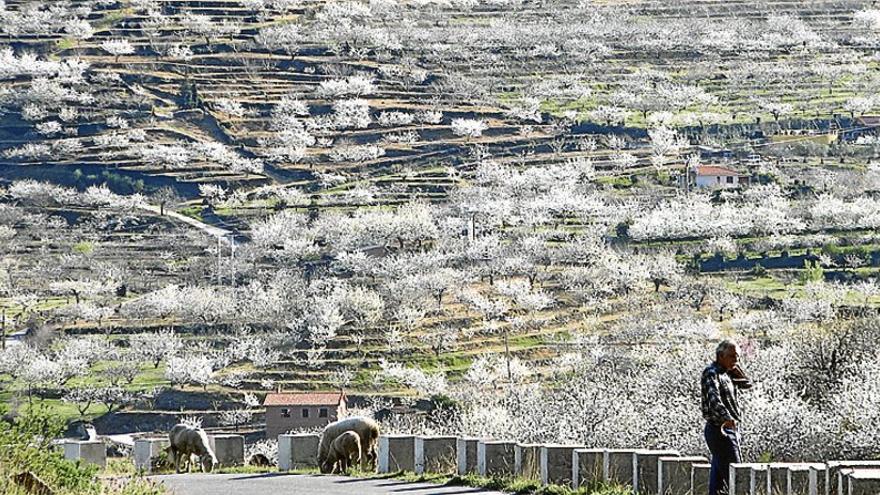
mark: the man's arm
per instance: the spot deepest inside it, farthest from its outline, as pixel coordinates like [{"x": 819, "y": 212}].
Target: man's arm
[
  {"x": 718, "y": 412},
  {"x": 739, "y": 378}
]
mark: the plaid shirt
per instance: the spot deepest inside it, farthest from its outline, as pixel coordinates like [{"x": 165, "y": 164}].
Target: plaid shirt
[{"x": 719, "y": 395}]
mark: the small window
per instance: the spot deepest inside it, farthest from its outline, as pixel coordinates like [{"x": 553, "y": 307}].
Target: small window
[
  {"x": 305, "y": 413},
  {"x": 730, "y": 180},
  {"x": 322, "y": 413},
  {"x": 285, "y": 413}
]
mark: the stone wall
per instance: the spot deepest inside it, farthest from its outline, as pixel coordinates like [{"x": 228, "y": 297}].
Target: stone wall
[{"x": 648, "y": 472}]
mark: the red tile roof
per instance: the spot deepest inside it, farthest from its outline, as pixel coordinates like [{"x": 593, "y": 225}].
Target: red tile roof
[
  {"x": 715, "y": 170},
  {"x": 304, "y": 399}
]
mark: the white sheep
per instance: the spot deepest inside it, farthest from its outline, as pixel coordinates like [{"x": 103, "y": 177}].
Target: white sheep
[
  {"x": 186, "y": 441},
  {"x": 366, "y": 429},
  {"x": 344, "y": 451}
]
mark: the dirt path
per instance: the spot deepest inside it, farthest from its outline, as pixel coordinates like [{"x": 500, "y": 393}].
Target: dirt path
[{"x": 226, "y": 235}]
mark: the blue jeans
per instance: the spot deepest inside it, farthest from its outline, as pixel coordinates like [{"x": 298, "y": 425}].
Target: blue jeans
[{"x": 724, "y": 446}]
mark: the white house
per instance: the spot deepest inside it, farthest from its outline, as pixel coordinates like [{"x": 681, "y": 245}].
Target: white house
[{"x": 713, "y": 176}]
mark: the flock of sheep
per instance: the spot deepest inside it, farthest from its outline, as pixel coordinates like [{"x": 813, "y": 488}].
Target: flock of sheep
[{"x": 343, "y": 443}]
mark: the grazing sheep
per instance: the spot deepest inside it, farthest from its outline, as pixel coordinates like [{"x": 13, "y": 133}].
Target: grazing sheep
[
  {"x": 368, "y": 432},
  {"x": 344, "y": 451},
  {"x": 187, "y": 441}
]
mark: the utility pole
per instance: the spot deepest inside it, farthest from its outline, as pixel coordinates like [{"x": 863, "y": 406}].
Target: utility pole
[
  {"x": 232, "y": 259},
  {"x": 230, "y": 238},
  {"x": 219, "y": 254}
]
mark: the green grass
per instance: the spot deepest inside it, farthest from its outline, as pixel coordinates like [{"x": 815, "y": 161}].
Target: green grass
[
  {"x": 125, "y": 467},
  {"x": 519, "y": 486},
  {"x": 762, "y": 285},
  {"x": 84, "y": 247},
  {"x": 621, "y": 181},
  {"x": 582, "y": 106},
  {"x": 778, "y": 289},
  {"x": 525, "y": 341},
  {"x": 57, "y": 408},
  {"x": 194, "y": 211},
  {"x": 112, "y": 17},
  {"x": 147, "y": 378},
  {"x": 13, "y": 309},
  {"x": 258, "y": 470},
  {"x": 65, "y": 44}
]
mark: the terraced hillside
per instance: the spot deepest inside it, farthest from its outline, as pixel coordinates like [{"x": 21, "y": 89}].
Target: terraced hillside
[
  {"x": 205, "y": 200},
  {"x": 523, "y": 78}
]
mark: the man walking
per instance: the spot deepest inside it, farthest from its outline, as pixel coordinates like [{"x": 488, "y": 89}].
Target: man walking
[{"x": 719, "y": 385}]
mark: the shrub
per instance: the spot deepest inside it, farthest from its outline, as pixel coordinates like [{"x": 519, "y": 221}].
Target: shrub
[
  {"x": 27, "y": 447},
  {"x": 813, "y": 272}
]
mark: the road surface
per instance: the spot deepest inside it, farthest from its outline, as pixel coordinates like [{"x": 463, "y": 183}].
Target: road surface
[
  {"x": 290, "y": 484},
  {"x": 208, "y": 229}
]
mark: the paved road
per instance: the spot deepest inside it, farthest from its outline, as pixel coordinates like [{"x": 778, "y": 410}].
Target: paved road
[{"x": 296, "y": 484}]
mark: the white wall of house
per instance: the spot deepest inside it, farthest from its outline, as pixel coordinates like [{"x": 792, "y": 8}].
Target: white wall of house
[{"x": 720, "y": 181}]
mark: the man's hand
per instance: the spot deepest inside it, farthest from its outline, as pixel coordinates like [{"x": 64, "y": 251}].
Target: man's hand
[
  {"x": 737, "y": 373},
  {"x": 729, "y": 424},
  {"x": 739, "y": 377}
]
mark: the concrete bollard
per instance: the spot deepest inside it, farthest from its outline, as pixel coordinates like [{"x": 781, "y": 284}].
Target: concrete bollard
[
  {"x": 863, "y": 482},
  {"x": 229, "y": 449},
  {"x": 145, "y": 451},
  {"x": 298, "y": 451},
  {"x": 777, "y": 478},
  {"x": 700, "y": 478},
  {"x": 588, "y": 467},
  {"x": 740, "y": 481},
  {"x": 436, "y": 454},
  {"x": 833, "y": 483},
  {"x": 496, "y": 458},
  {"x": 618, "y": 466},
  {"x": 674, "y": 474},
  {"x": 819, "y": 470},
  {"x": 645, "y": 464},
  {"x": 778, "y": 474},
  {"x": 841, "y": 483},
  {"x": 801, "y": 480},
  {"x": 527, "y": 461},
  {"x": 556, "y": 464},
  {"x": 466, "y": 451},
  {"x": 86, "y": 451},
  {"x": 760, "y": 479},
  {"x": 396, "y": 453}
]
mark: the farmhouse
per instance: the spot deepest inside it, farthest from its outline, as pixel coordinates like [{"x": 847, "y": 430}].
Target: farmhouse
[
  {"x": 713, "y": 176},
  {"x": 292, "y": 411}
]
